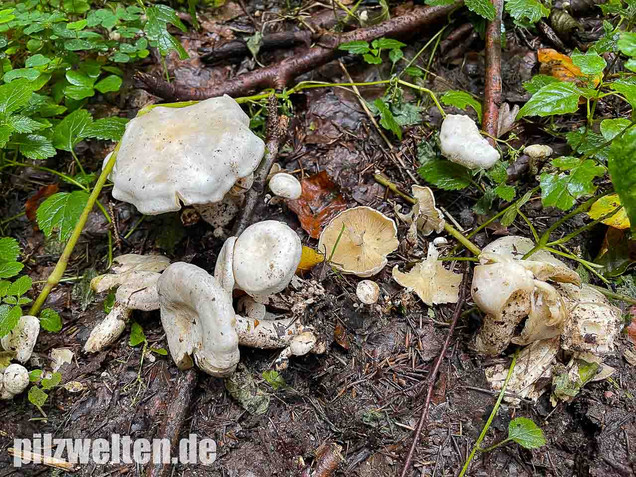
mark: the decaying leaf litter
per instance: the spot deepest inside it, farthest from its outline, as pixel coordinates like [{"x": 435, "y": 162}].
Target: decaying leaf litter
[{"x": 367, "y": 368}]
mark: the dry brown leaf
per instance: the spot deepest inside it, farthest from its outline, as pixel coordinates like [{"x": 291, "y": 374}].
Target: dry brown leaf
[
  {"x": 33, "y": 202},
  {"x": 320, "y": 201},
  {"x": 560, "y": 66}
]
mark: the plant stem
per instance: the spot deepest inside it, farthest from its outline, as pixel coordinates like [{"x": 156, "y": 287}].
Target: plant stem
[
  {"x": 498, "y": 444},
  {"x": 614, "y": 295},
  {"x": 55, "y": 276},
  {"x": 477, "y": 446}
]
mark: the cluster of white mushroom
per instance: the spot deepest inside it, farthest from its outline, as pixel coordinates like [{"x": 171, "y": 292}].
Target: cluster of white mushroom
[{"x": 20, "y": 341}]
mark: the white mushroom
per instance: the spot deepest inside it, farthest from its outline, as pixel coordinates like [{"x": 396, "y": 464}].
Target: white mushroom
[
  {"x": 251, "y": 308},
  {"x": 191, "y": 155},
  {"x": 22, "y": 338},
  {"x": 60, "y": 357},
  {"x": 286, "y": 186},
  {"x": 223, "y": 268},
  {"x": 368, "y": 292},
  {"x": 538, "y": 151},
  {"x": 424, "y": 216},
  {"x": 266, "y": 256},
  {"x": 199, "y": 321},
  {"x": 462, "y": 143},
  {"x": 13, "y": 381}
]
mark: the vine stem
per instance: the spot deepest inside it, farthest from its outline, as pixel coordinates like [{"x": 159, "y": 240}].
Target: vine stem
[
  {"x": 58, "y": 272},
  {"x": 383, "y": 180},
  {"x": 477, "y": 445}
]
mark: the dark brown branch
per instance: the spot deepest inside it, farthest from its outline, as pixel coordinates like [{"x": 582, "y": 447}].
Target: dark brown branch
[
  {"x": 280, "y": 75},
  {"x": 174, "y": 419},
  {"x": 433, "y": 376},
  {"x": 276, "y": 136},
  {"x": 492, "y": 97},
  {"x": 238, "y": 48}
]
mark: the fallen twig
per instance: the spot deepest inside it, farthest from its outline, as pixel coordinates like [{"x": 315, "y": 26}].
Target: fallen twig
[
  {"x": 28, "y": 456},
  {"x": 433, "y": 376},
  {"x": 276, "y": 135},
  {"x": 174, "y": 419},
  {"x": 280, "y": 75},
  {"x": 239, "y": 48},
  {"x": 492, "y": 90}
]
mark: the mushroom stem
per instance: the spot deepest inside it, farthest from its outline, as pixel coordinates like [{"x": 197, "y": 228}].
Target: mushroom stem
[
  {"x": 109, "y": 329},
  {"x": 356, "y": 238}
]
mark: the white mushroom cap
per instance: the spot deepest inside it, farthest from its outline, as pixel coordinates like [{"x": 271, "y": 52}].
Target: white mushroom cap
[
  {"x": 223, "y": 269},
  {"x": 538, "y": 151},
  {"x": 109, "y": 329},
  {"x": 190, "y": 155},
  {"x": 199, "y": 321},
  {"x": 132, "y": 262},
  {"x": 60, "y": 357},
  {"x": 15, "y": 380},
  {"x": 462, "y": 143},
  {"x": 266, "y": 256},
  {"x": 285, "y": 185},
  {"x": 368, "y": 292},
  {"x": 22, "y": 338}
]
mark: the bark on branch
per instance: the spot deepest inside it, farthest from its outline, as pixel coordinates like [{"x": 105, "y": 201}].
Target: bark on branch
[
  {"x": 280, "y": 75},
  {"x": 492, "y": 90}
]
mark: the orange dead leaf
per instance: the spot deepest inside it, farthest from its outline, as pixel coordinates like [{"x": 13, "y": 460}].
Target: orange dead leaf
[
  {"x": 309, "y": 259},
  {"x": 33, "y": 202},
  {"x": 320, "y": 201},
  {"x": 631, "y": 329},
  {"x": 560, "y": 66},
  {"x": 340, "y": 335}
]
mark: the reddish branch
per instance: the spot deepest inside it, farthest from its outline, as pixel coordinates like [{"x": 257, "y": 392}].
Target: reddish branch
[
  {"x": 492, "y": 99},
  {"x": 433, "y": 376},
  {"x": 280, "y": 75},
  {"x": 239, "y": 48}
]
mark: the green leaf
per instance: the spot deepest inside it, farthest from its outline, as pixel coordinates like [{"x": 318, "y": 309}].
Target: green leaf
[
  {"x": 395, "y": 55},
  {"x": 37, "y": 397},
  {"x": 9, "y": 317},
  {"x": 439, "y": 3},
  {"x": 61, "y": 211},
  {"x": 10, "y": 269},
  {"x": 20, "y": 286},
  {"x": 530, "y": 10},
  {"x": 159, "y": 351},
  {"x": 35, "y": 146},
  {"x": 274, "y": 379},
  {"x": 77, "y": 78},
  {"x": 371, "y": 59},
  {"x": 355, "y": 47},
  {"x": 445, "y": 174},
  {"x": 505, "y": 192},
  {"x": 610, "y": 128},
  {"x": 626, "y": 87},
  {"x": 537, "y": 82},
  {"x": 590, "y": 63},
  {"x": 37, "y": 60},
  {"x": 50, "y": 320},
  {"x": 386, "y": 118},
  {"x": 414, "y": 72},
  {"x": 9, "y": 249},
  {"x": 461, "y": 100},
  {"x": 108, "y": 128},
  {"x": 587, "y": 142},
  {"x": 555, "y": 98},
  {"x": 109, "y": 302},
  {"x": 254, "y": 43},
  {"x": 526, "y": 433},
  {"x": 78, "y": 92},
  {"x": 50, "y": 383},
  {"x": 14, "y": 95},
  {"x": 71, "y": 129},
  {"x": 623, "y": 172},
  {"x": 387, "y": 44},
  {"x": 562, "y": 190},
  {"x": 137, "y": 335},
  {"x": 23, "y": 124},
  {"x": 482, "y": 8},
  {"x": 35, "y": 375},
  {"x": 30, "y": 74},
  {"x": 627, "y": 43},
  {"x": 109, "y": 84}
]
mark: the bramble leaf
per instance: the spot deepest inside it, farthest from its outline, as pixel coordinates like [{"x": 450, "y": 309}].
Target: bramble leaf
[
  {"x": 461, "y": 99},
  {"x": 72, "y": 129},
  {"x": 387, "y": 120},
  {"x": 34, "y": 146},
  {"x": 623, "y": 173},
  {"x": 482, "y": 8},
  {"x": 9, "y": 317},
  {"x": 50, "y": 320},
  {"x": 551, "y": 99},
  {"x": 561, "y": 190},
  {"x": 9, "y": 249},
  {"x": 107, "y": 128},
  {"x": 445, "y": 174},
  {"x": 530, "y": 10},
  {"x": 61, "y": 211}
]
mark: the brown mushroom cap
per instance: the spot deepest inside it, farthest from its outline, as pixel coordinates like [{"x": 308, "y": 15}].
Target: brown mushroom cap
[{"x": 358, "y": 241}]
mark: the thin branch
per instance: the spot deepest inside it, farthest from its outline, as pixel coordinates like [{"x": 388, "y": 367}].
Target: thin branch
[{"x": 492, "y": 90}]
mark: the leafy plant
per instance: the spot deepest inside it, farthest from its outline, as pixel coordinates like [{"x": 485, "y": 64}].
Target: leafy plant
[
  {"x": 524, "y": 432},
  {"x": 274, "y": 379},
  {"x": 38, "y": 395},
  {"x": 371, "y": 53}
]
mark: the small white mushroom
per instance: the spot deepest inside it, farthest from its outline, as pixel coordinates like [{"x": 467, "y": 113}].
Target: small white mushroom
[
  {"x": 199, "y": 321},
  {"x": 266, "y": 256},
  {"x": 286, "y": 186},
  {"x": 368, "y": 292},
  {"x": 22, "y": 338},
  {"x": 13, "y": 381},
  {"x": 109, "y": 329},
  {"x": 251, "y": 308},
  {"x": 538, "y": 151},
  {"x": 223, "y": 268},
  {"x": 60, "y": 357},
  {"x": 462, "y": 143}
]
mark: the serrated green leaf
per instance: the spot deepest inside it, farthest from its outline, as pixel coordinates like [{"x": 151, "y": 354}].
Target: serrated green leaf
[
  {"x": 562, "y": 190},
  {"x": 34, "y": 146},
  {"x": 626, "y": 87},
  {"x": 355, "y": 47},
  {"x": 623, "y": 173},
  {"x": 387, "y": 44},
  {"x": 9, "y": 317},
  {"x": 537, "y": 82},
  {"x": 37, "y": 397},
  {"x": 109, "y": 84},
  {"x": 10, "y": 269},
  {"x": 483, "y": 8},
  {"x": 137, "y": 335},
  {"x": 23, "y": 124},
  {"x": 445, "y": 174},
  {"x": 9, "y": 249},
  {"x": 387, "y": 121},
  {"x": 555, "y": 98},
  {"x": 461, "y": 100},
  {"x": 526, "y": 10},
  {"x": 108, "y": 128},
  {"x": 50, "y": 320},
  {"x": 590, "y": 63},
  {"x": 71, "y": 129},
  {"x": 585, "y": 141},
  {"x": 20, "y": 286},
  {"x": 14, "y": 95},
  {"x": 610, "y": 128},
  {"x": 61, "y": 211},
  {"x": 526, "y": 433},
  {"x": 505, "y": 192},
  {"x": 627, "y": 43}
]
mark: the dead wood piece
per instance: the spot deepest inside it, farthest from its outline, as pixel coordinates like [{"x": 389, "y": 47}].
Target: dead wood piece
[
  {"x": 492, "y": 90},
  {"x": 239, "y": 48},
  {"x": 433, "y": 376},
  {"x": 175, "y": 417},
  {"x": 280, "y": 75},
  {"x": 276, "y": 134}
]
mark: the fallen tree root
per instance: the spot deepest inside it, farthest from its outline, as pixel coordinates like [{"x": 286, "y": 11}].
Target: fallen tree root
[
  {"x": 239, "y": 48},
  {"x": 280, "y": 75},
  {"x": 433, "y": 376},
  {"x": 492, "y": 90}
]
